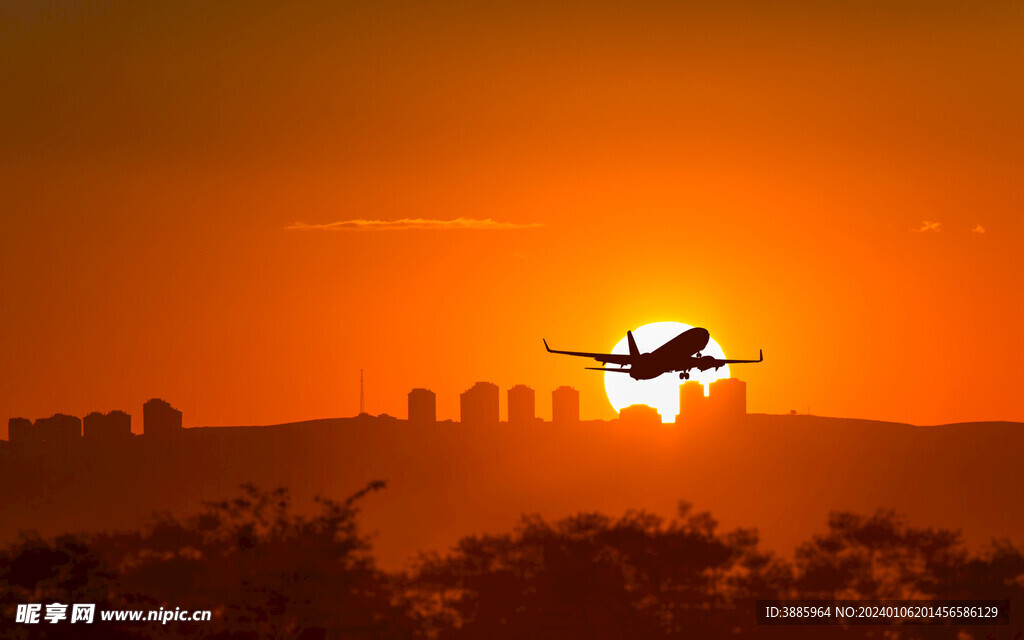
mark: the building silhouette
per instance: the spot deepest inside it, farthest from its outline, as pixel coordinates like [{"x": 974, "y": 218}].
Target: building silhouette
[
  {"x": 693, "y": 405},
  {"x": 19, "y": 431},
  {"x": 640, "y": 414},
  {"x": 479, "y": 404},
  {"x": 59, "y": 427},
  {"x": 422, "y": 406},
  {"x": 159, "y": 418},
  {"x": 522, "y": 406},
  {"x": 728, "y": 398},
  {"x": 565, "y": 405},
  {"x": 110, "y": 426}
]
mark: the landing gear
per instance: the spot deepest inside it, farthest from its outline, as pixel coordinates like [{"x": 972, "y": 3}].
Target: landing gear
[{"x": 684, "y": 375}]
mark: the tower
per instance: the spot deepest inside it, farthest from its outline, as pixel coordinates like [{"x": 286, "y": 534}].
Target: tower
[
  {"x": 728, "y": 399},
  {"x": 19, "y": 430},
  {"x": 479, "y": 405},
  {"x": 565, "y": 405},
  {"x": 159, "y": 418},
  {"x": 113, "y": 425},
  {"x": 362, "y": 394},
  {"x": 521, "y": 405},
  {"x": 693, "y": 406},
  {"x": 422, "y": 406}
]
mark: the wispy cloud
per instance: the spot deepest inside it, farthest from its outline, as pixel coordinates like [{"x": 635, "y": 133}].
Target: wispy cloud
[
  {"x": 978, "y": 229},
  {"x": 928, "y": 226},
  {"x": 359, "y": 224}
]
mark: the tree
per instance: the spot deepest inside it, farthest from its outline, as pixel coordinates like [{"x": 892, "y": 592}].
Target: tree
[{"x": 589, "y": 576}]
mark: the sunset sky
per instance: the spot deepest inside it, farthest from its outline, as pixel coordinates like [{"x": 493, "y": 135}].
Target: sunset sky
[{"x": 237, "y": 205}]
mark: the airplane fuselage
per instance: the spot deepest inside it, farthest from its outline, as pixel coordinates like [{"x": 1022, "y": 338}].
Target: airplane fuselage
[{"x": 678, "y": 354}]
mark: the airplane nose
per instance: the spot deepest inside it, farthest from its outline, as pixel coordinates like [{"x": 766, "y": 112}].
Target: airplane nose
[{"x": 704, "y": 336}]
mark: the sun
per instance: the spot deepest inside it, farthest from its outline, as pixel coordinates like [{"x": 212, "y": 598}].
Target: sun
[{"x": 662, "y": 392}]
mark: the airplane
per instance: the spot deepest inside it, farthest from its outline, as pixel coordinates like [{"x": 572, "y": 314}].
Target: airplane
[{"x": 681, "y": 353}]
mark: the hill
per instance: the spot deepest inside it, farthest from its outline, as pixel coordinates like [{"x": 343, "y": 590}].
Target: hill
[{"x": 782, "y": 474}]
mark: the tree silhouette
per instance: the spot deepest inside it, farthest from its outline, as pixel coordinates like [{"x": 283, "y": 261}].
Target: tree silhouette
[
  {"x": 590, "y": 576},
  {"x": 878, "y": 557},
  {"x": 267, "y": 572},
  {"x": 264, "y": 571}
]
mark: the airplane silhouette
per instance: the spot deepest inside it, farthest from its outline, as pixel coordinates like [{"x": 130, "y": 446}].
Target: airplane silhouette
[{"x": 681, "y": 353}]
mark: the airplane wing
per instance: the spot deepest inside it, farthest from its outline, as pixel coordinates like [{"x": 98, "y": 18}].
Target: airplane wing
[
  {"x": 607, "y": 369},
  {"x": 614, "y": 358},
  {"x": 760, "y": 358}
]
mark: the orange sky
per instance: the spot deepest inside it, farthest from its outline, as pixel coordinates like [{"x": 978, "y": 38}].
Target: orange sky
[{"x": 758, "y": 170}]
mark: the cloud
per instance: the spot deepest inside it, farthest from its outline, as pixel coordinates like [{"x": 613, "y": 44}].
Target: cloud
[
  {"x": 978, "y": 229},
  {"x": 410, "y": 223},
  {"x": 928, "y": 226}
]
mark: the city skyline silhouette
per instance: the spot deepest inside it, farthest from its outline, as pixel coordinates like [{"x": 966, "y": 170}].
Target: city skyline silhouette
[{"x": 480, "y": 405}]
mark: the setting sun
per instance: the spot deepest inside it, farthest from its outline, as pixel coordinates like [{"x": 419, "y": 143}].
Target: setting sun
[{"x": 662, "y": 392}]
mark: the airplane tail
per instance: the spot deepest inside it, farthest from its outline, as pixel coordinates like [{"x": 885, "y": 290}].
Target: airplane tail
[{"x": 633, "y": 351}]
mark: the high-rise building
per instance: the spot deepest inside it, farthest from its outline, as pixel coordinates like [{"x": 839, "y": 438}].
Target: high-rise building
[
  {"x": 19, "y": 430},
  {"x": 640, "y": 414},
  {"x": 728, "y": 398},
  {"x": 110, "y": 426},
  {"x": 693, "y": 406},
  {"x": 479, "y": 404},
  {"x": 565, "y": 405},
  {"x": 521, "y": 405},
  {"x": 58, "y": 428},
  {"x": 422, "y": 406},
  {"x": 159, "y": 418}
]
